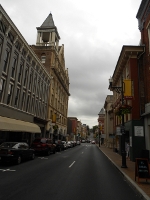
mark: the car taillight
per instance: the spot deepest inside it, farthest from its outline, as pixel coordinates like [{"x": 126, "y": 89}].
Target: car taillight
[{"x": 10, "y": 152}]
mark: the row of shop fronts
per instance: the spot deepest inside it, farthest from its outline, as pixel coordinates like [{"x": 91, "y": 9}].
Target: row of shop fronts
[{"x": 121, "y": 123}]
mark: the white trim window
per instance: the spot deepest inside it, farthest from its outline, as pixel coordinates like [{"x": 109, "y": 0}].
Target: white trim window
[{"x": 148, "y": 32}]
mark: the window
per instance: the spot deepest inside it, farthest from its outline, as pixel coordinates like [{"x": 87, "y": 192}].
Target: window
[
  {"x": 23, "y": 100},
  {"x": 9, "y": 93},
  {"x": 11, "y": 37},
  {"x": 14, "y": 63},
  {"x": 6, "y": 59},
  {"x": 1, "y": 88},
  {"x": 27, "y": 105},
  {"x": 2, "y": 27},
  {"x": 24, "y": 52},
  {"x": 30, "y": 81},
  {"x": 25, "y": 76},
  {"x": 32, "y": 106},
  {"x": 18, "y": 45},
  {"x": 43, "y": 58},
  {"x": 20, "y": 71},
  {"x": 1, "y": 44},
  {"x": 35, "y": 80},
  {"x": 148, "y": 27},
  {"x": 17, "y": 95},
  {"x": 28, "y": 58}
]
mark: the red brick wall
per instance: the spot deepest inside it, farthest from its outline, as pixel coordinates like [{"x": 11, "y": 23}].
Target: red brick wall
[{"x": 146, "y": 59}]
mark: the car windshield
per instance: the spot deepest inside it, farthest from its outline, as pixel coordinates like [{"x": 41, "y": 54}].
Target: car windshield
[{"x": 8, "y": 145}]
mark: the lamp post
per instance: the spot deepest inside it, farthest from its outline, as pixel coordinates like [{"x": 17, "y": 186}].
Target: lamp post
[{"x": 120, "y": 89}]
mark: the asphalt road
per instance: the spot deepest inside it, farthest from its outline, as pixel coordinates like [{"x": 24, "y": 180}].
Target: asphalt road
[{"x": 80, "y": 173}]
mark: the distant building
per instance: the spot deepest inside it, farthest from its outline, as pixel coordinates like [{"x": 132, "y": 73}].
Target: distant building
[
  {"x": 72, "y": 124},
  {"x": 108, "y": 124},
  {"x": 101, "y": 123}
]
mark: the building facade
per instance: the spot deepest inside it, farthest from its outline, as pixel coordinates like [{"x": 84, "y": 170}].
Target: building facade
[
  {"x": 72, "y": 130},
  {"x": 143, "y": 16},
  {"x": 108, "y": 125},
  {"x": 52, "y": 57},
  {"x": 24, "y": 86},
  {"x": 101, "y": 124},
  {"x": 128, "y": 68}
]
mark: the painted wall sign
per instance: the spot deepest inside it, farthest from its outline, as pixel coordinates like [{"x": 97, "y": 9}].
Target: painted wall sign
[{"x": 138, "y": 131}]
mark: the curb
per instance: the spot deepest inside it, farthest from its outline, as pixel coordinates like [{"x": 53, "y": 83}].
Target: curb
[{"x": 132, "y": 183}]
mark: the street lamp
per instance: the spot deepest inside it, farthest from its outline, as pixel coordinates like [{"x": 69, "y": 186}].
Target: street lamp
[{"x": 120, "y": 90}]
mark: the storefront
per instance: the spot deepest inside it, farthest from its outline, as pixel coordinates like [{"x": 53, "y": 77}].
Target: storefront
[{"x": 17, "y": 130}]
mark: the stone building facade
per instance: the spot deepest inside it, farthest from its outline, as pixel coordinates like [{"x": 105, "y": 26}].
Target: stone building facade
[
  {"x": 51, "y": 54},
  {"x": 24, "y": 86}
]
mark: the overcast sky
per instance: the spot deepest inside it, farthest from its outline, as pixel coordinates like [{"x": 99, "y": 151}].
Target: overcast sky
[{"x": 93, "y": 33}]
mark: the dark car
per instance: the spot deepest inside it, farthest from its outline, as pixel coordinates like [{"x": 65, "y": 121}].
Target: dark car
[
  {"x": 16, "y": 151},
  {"x": 44, "y": 145},
  {"x": 59, "y": 145}
]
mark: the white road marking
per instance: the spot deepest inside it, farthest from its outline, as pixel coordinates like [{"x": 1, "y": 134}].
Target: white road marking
[
  {"x": 42, "y": 158},
  {"x": 82, "y": 152},
  {"x": 7, "y": 170},
  {"x": 72, "y": 164}
]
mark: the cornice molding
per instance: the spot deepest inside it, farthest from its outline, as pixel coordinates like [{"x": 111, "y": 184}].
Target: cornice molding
[{"x": 143, "y": 12}]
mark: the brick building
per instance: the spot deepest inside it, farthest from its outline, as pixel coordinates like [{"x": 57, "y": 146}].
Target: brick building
[
  {"x": 127, "y": 68},
  {"x": 143, "y": 16}
]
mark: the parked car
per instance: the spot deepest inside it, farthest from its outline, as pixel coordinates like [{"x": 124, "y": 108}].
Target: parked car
[
  {"x": 59, "y": 145},
  {"x": 16, "y": 151},
  {"x": 65, "y": 145},
  {"x": 70, "y": 145},
  {"x": 73, "y": 143},
  {"x": 78, "y": 142},
  {"x": 93, "y": 142},
  {"x": 44, "y": 145}
]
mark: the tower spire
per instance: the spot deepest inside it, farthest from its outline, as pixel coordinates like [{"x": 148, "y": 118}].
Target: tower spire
[{"x": 47, "y": 34}]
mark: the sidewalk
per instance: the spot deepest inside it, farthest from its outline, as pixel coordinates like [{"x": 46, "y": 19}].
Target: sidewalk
[{"x": 142, "y": 187}]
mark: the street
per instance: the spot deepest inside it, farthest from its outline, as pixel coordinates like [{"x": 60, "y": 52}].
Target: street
[{"x": 79, "y": 173}]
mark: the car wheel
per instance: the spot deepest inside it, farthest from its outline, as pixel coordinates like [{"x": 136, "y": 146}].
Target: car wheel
[
  {"x": 48, "y": 152},
  {"x": 33, "y": 156},
  {"x": 18, "y": 160}
]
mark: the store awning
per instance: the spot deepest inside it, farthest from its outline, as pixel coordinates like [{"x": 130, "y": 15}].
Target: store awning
[{"x": 8, "y": 124}]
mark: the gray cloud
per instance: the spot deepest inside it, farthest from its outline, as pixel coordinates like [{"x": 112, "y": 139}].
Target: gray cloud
[{"x": 93, "y": 33}]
